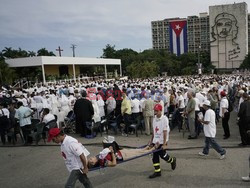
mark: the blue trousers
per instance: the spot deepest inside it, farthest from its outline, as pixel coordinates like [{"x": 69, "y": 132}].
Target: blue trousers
[{"x": 211, "y": 141}]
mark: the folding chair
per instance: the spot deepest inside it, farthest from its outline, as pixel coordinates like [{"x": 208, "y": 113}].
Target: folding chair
[
  {"x": 13, "y": 132},
  {"x": 136, "y": 125},
  {"x": 116, "y": 124},
  {"x": 40, "y": 132}
]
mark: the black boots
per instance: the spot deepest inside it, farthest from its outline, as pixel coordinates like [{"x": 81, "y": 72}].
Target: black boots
[
  {"x": 173, "y": 164},
  {"x": 154, "y": 175}
]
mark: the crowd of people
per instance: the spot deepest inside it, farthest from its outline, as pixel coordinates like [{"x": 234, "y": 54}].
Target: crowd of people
[
  {"x": 181, "y": 98},
  {"x": 200, "y": 101}
]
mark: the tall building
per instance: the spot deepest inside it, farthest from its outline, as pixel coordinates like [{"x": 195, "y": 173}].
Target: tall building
[
  {"x": 248, "y": 32},
  {"x": 198, "y": 33},
  {"x": 229, "y": 35},
  {"x": 160, "y": 34}
]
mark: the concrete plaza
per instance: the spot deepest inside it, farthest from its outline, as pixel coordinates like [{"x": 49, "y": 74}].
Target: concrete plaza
[{"x": 43, "y": 166}]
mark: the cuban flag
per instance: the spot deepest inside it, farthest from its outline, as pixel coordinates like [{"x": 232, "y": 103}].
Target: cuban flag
[{"x": 178, "y": 37}]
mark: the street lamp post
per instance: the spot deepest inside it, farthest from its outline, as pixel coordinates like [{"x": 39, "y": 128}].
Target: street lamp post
[{"x": 73, "y": 46}]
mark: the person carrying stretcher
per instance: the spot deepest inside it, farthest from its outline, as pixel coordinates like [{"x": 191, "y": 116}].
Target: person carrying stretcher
[{"x": 159, "y": 140}]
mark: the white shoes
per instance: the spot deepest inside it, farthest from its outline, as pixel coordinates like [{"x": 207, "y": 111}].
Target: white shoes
[
  {"x": 202, "y": 154},
  {"x": 124, "y": 134},
  {"x": 246, "y": 179},
  {"x": 222, "y": 157}
]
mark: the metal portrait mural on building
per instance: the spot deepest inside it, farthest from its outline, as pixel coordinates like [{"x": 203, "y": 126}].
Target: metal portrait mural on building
[{"x": 228, "y": 39}]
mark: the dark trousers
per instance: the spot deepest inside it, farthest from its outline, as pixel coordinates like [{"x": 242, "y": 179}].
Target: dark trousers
[
  {"x": 77, "y": 175},
  {"x": 225, "y": 124},
  {"x": 156, "y": 159},
  {"x": 178, "y": 119},
  {"x": 3, "y": 134},
  {"x": 135, "y": 116},
  {"x": 171, "y": 109},
  {"x": 211, "y": 142},
  {"x": 81, "y": 127},
  {"x": 26, "y": 132},
  {"x": 78, "y": 126},
  {"x": 4, "y": 127},
  {"x": 245, "y": 139},
  {"x": 198, "y": 125},
  {"x": 126, "y": 122}
]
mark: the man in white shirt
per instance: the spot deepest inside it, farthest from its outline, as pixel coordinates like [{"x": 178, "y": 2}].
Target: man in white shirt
[
  {"x": 47, "y": 117},
  {"x": 24, "y": 114},
  {"x": 210, "y": 131},
  {"x": 200, "y": 96},
  {"x": 135, "y": 107},
  {"x": 71, "y": 89},
  {"x": 224, "y": 114},
  {"x": 180, "y": 108},
  {"x": 74, "y": 155},
  {"x": 160, "y": 139}
]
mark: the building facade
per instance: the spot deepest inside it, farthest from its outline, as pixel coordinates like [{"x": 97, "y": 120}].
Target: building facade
[
  {"x": 228, "y": 35},
  {"x": 52, "y": 65},
  {"x": 199, "y": 37},
  {"x": 198, "y": 33},
  {"x": 160, "y": 34}
]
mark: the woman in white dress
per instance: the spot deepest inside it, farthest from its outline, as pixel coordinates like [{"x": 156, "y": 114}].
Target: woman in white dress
[
  {"x": 64, "y": 108},
  {"x": 54, "y": 104},
  {"x": 101, "y": 104},
  {"x": 96, "y": 117}
]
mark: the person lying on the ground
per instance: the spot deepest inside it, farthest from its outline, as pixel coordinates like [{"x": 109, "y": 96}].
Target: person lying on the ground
[{"x": 109, "y": 156}]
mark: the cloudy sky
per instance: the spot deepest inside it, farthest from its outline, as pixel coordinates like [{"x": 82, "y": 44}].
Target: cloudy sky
[{"x": 90, "y": 24}]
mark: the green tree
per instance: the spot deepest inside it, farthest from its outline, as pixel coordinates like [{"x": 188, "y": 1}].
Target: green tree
[
  {"x": 127, "y": 56},
  {"x": 109, "y": 51},
  {"x": 206, "y": 62},
  {"x": 6, "y": 73},
  {"x": 12, "y": 53},
  {"x": 144, "y": 69},
  {"x": 31, "y": 53},
  {"x": 246, "y": 62},
  {"x": 30, "y": 73},
  {"x": 186, "y": 64},
  {"x": 9, "y": 53},
  {"x": 45, "y": 52}
]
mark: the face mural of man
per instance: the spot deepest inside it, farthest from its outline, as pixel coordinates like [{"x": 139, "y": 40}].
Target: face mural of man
[{"x": 224, "y": 27}]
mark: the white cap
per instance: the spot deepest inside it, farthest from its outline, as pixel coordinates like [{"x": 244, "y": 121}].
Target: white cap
[{"x": 207, "y": 103}]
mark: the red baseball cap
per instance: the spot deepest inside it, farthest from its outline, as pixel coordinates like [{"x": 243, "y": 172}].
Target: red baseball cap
[
  {"x": 53, "y": 133},
  {"x": 158, "y": 107},
  {"x": 223, "y": 93}
]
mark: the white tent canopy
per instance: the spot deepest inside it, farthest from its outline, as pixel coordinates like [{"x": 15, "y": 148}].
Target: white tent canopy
[{"x": 52, "y": 60}]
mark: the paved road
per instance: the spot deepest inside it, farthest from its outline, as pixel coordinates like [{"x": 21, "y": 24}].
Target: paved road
[{"x": 43, "y": 166}]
